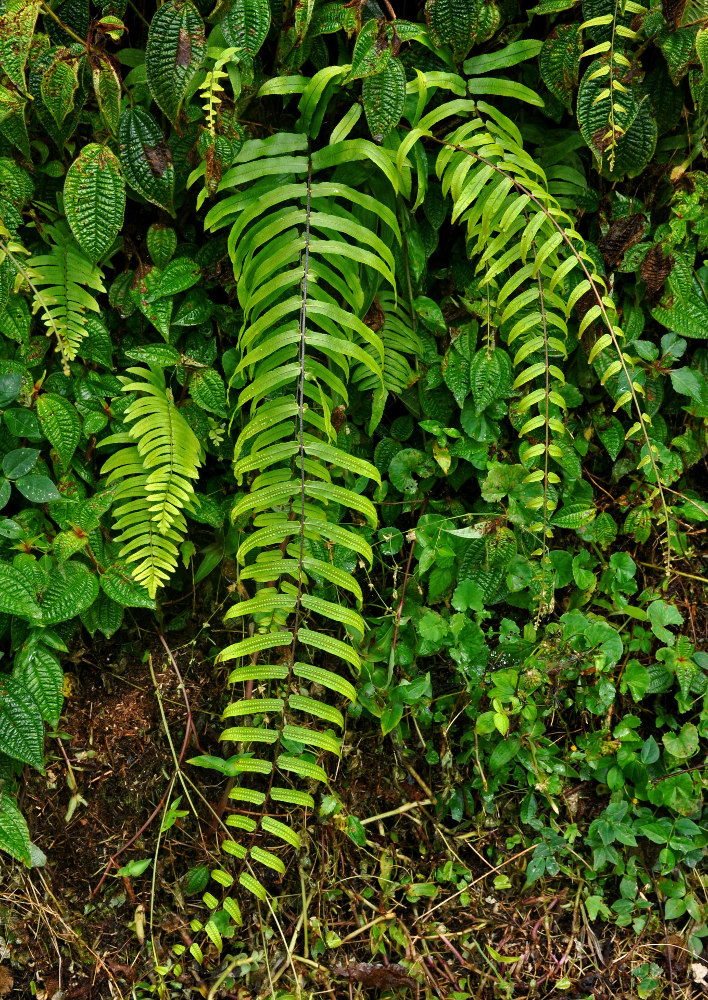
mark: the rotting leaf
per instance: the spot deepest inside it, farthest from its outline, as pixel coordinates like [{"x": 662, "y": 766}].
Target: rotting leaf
[
  {"x": 673, "y": 11},
  {"x": 184, "y": 49},
  {"x": 159, "y": 158},
  {"x": 375, "y": 977},
  {"x": 620, "y": 237},
  {"x": 655, "y": 268}
]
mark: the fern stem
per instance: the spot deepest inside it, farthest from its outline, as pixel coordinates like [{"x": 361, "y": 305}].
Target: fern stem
[
  {"x": 547, "y": 430},
  {"x": 301, "y": 399}
]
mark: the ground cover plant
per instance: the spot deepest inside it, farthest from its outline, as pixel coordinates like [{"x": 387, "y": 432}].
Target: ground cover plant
[{"x": 353, "y": 508}]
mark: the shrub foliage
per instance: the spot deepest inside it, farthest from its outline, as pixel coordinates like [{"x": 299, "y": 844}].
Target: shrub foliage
[{"x": 401, "y": 313}]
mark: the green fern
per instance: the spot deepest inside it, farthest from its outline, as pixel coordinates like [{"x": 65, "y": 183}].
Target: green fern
[
  {"x": 528, "y": 250},
  {"x": 155, "y": 473},
  {"x": 62, "y": 281},
  {"x": 299, "y": 242}
]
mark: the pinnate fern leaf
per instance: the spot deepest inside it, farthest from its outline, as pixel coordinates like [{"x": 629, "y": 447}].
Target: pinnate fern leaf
[
  {"x": 301, "y": 244},
  {"x": 62, "y": 281},
  {"x": 155, "y": 473}
]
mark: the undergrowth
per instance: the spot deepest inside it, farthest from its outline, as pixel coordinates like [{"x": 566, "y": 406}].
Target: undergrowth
[{"x": 375, "y": 333}]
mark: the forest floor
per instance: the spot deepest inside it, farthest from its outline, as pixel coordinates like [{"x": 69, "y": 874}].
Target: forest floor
[{"x": 395, "y": 902}]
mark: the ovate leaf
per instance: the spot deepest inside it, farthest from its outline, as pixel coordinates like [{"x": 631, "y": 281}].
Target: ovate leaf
[
  {"x": 622, "y": 151},
  {"x": 176, "y": 46},
  {"x": 384, "y": 96},
  {"x": 58, "y": 87},
  {"x": 611, "y": 433},
  {"x": 208, "y": 391},
  {"x": 683, "y": 744},
  {"x": 72, "y": 588},
  {"x": 119, "y": 586},
  {"x": 661, "y": 614},
  {"x": 41, "y": 674},
  {"x": 14, "y": 835},
  {"x": 21, "y": 723},
  {"x": 245, "y": 25},
  {"x": 107, "y": 88},
  {"x": 38, "y": 489},
  {"x": 161, "y": 243},
  {"x": 60, "y": 424},
  {"x": 559, "y": 62},
  {"x": 462, "y": 23},
  {"x": 372, "y": 50},
  {"x": 490, "y": 378},
  {"x": 17, "y": 23},
  {"x": 16, "y": 597},
  {"x": 104, "y": 615},
  {"x": 145, "y": 157},
  {"x": 94, "y": 199}
]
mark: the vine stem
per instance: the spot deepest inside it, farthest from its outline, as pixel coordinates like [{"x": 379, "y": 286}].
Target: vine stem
[
  {"x": 399, "y": 610},
  {"x": 603, "y": 311}
]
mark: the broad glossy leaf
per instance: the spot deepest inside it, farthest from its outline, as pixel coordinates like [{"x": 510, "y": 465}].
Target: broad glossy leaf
[
  {"x": 384, "y": 96},
  {"x": 145, "y": 157},
  {"x": 176, "y": 46},
  {"x": 208, "y": 391},
  {"x": 17, "y": 23},
  {"x": 21, "y": 723},
  {"x": 14, "y": 835},
  {"x": 40, "y": 672},
  {"x": 462, "y": 23},
  {"x": 58, "y": 86},
  {"x": 16, "y": 595},
  {"x": 94, "y": 199},
  {"x": 19, "y": 462},
  {"x": 372, "y": 50},
  {"x": 161, "y": 243},
  {"x": 38, "y": 489},
  {"x": 632, "y": 148},
  {"x": 559, "y": 62},
  {"x": 245, "y": 25},
  {"x": 72, "y": 589},
  {"x": 104, "y": 615},
  {"x": 686, "y": 315},
  {"x": 60, "y": 424},
  {"x": 107, "y": 88}
]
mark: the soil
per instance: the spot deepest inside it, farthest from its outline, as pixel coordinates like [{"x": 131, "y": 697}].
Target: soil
[{"x": 413, "y": 889}]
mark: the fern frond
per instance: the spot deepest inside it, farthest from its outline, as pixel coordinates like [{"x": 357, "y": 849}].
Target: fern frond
[
  {"x": 212, "y": 89},
  {"x": 154, "y": 472},
  {"x": 533, "y": 256},
  {"x": 301, "y": 239},
  {"x": 62, "y": 281}
]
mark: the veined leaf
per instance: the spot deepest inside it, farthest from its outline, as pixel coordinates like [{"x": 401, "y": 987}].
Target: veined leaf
[
  {"x": 17, "y": 22},
  {"x": 176, "y": 46},
  {"x": 60, "y": 423},
  {"x": 94, "y": 199},
  {"x": 145, "y": 157},
  {"x": 384, "y": 96}
]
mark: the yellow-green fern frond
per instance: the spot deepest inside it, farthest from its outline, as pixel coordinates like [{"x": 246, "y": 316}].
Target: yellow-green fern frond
[
  {"x": 155, "y": 472},
  {"x": 62, "y": 281}
]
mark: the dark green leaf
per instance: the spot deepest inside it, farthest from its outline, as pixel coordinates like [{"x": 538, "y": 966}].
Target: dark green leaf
[
  {"x": 145, "y": 157},
  {"x": 176, "y": 46},
  {"x": 94, "y": 199}
]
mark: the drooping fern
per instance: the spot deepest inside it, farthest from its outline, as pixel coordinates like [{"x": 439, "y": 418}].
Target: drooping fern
[
  {"x": 529, "y": 251},
  {"x": 62, "y": 281},
  {"x": 155, "y": 472},
  {"x": 300, "y": 239}
]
